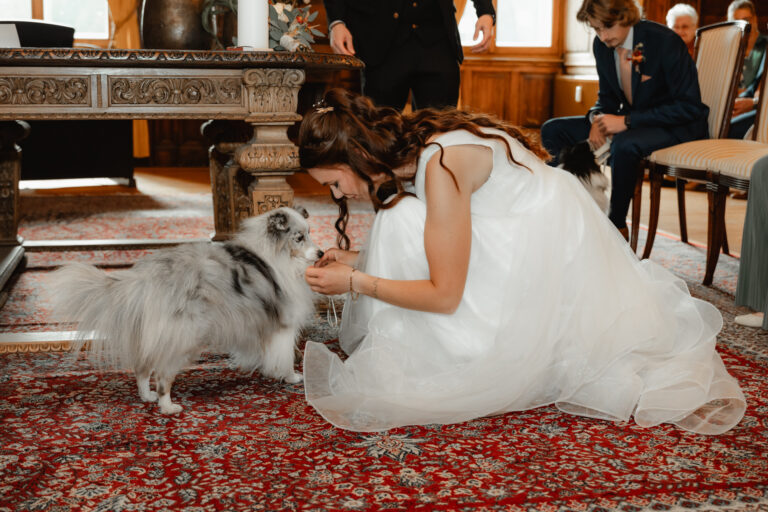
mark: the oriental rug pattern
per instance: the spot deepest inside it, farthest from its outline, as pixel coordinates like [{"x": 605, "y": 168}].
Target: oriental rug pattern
[{"x": 72, "y": 438}]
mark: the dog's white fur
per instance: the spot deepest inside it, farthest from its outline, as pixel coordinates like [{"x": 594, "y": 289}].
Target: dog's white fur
[
  {"x": 597, "y": 184},
  {"x": 247, "y": 298}
]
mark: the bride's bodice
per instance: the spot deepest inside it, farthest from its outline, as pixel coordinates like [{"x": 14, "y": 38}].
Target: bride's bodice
[{"x": 507, "y": 179}]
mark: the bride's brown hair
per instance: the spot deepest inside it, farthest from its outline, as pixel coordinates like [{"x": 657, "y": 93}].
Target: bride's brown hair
[{"x": 349, "y": 129}]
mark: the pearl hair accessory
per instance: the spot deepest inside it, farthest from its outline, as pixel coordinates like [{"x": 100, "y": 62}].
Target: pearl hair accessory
[{"x": 322, "y": 107}]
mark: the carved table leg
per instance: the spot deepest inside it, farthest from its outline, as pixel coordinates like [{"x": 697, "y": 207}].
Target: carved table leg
[
  {"x": 229, "y": 184},
  {"x": 270, "y": 156},
  {"x": 11, "y": 250}
]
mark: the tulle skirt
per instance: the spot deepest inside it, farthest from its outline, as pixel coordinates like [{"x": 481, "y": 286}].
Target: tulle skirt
[{"x": 556, "y": 310}]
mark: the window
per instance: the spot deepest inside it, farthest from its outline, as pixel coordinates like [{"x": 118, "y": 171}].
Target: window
[
  {"x": 519, "y": 24},
  {"x": 90, "y": 18}
]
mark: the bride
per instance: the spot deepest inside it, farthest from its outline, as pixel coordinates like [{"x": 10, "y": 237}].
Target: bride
[{"x": 491, "y": 282}]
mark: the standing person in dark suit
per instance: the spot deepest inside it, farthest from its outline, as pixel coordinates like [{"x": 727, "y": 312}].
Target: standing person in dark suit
[
  {"x": 649, "y": 96},
  {"x": 406, "y": 45}
]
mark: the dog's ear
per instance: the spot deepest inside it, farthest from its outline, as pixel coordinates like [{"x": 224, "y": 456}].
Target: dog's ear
[
  {"x": 303, "y": 211},
  {"x": 277, "y": 224}
]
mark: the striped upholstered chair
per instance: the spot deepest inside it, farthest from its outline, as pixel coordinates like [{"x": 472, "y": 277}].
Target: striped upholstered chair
[
  {"x": 731, "y": 167},
  {"x": 719, "y": 58}
]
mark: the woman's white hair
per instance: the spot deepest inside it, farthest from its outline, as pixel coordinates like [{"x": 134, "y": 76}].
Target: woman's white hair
[{"x": 682, "y": 10}]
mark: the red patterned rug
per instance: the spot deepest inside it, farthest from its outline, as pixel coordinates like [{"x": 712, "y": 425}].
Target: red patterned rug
[{"x": 75, "y": 439}]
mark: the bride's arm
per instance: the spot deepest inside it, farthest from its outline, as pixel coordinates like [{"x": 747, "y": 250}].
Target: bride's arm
[{"x": 447, "y": 239}]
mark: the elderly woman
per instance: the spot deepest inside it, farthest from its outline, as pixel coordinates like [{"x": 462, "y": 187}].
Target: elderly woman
[{"x": 684, "y": 20}]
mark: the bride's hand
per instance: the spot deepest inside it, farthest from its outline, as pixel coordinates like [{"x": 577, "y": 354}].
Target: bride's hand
[
  {"x": 334, "y": 254},
  {"x": 330, "y": 279}
]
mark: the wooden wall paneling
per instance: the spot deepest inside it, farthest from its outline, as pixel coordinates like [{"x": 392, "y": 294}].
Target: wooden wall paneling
[
  {"x": 163, "y": 148},
  {"x": 487, "y": 90},
  {"x": 193, "y": 149},
  {"x": 535, "y": 99},
  {"x": 565, "y": 103}
]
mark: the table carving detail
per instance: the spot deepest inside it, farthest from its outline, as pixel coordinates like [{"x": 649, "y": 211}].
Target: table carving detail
[
  {"x": 273, "y": 90},
  {"x": 43, "y": 91},
  {"x": 269, "y": 157},
  {"x": 175, "y": 91}
]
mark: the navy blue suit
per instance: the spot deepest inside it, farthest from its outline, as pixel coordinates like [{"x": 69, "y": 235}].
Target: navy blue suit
[{"x": 666, "y": 108}]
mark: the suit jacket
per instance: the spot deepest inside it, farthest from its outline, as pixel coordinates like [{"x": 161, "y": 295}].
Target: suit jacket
[
  {"x": 665, "y": 85},
  {"x": 374, "y": 23}
]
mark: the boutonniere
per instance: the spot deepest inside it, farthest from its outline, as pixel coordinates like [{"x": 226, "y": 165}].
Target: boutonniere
[{"x": 637, "y": 57}]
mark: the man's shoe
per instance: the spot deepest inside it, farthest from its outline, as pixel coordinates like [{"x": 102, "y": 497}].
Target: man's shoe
[{"x": 751, "y": 320}]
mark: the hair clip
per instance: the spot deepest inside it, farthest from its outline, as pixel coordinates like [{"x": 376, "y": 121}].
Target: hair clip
[{"x": 323, "y": 110}]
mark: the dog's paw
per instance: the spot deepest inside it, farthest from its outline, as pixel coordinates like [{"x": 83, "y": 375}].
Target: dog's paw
[
  {"x": 149, "y": 396},
  {"x": 295, "y": 378},
  {"x": 171, "y": 409},
  {"x": 168, "y": 407}
]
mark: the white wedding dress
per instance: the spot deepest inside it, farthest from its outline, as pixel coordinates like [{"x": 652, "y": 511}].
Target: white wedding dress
[{"x": 556, "y": 310}]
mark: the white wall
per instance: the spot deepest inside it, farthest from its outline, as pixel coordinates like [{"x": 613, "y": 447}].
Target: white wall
[{"x": 578, "y": 43}]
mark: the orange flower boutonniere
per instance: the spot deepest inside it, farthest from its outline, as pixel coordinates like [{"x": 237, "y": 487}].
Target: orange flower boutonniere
[{"x": 637, "y": 57}]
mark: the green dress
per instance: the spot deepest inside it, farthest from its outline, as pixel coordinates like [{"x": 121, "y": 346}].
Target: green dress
[{"x": 752, "y": 286}]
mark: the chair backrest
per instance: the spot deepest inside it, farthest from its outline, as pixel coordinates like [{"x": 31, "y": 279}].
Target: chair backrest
[{"x": 719, "y": 58}]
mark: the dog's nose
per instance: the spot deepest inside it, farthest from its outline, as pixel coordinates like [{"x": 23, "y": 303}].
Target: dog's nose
[{"x": 320, "y": 254}]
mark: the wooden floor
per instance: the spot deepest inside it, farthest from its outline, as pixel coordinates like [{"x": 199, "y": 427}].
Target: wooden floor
[{"x": 157, "y": 180}]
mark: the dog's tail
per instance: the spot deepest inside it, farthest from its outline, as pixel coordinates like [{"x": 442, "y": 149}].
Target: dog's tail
[{"x": 84, "y": 295}]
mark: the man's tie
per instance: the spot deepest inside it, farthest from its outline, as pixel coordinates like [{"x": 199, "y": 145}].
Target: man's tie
[{"x": 625, "y": 70}]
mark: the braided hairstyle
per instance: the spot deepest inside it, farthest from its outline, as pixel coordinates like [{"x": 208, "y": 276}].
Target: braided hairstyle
[{"x": 348, "y": 128}]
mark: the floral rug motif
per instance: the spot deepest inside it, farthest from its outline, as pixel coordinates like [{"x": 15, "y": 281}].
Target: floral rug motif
[
  {"x": 76, "y": 439},
  {"x": 72, "y": 438}
]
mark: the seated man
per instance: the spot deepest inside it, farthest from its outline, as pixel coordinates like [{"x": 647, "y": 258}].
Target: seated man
[
  {"x": 648, "y": 97},
  {"x": 745, "y": 107}
]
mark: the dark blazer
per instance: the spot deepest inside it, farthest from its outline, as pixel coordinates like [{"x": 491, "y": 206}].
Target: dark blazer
[
  {"x": 665, "y": 86},
  {"x": 374, "y": 23}
]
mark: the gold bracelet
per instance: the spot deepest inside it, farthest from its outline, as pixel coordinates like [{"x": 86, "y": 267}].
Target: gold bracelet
[
  {"x": 352, "y": 293},
  {"x": 375, "y": 293}
]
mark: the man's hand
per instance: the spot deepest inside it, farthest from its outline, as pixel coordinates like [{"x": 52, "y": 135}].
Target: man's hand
[
  {"x": 609, "y": 124},
  {"x": 596, "y": 137},
  {"x": 485, "y": 25},
  {"x": 742, "y": 106},
  {"x": 341, "y": 40}
]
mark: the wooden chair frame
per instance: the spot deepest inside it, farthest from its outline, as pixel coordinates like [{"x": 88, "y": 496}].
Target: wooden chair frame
[
  {"x": 718, "y": 189},
  {"x": 656, "y": 172}
]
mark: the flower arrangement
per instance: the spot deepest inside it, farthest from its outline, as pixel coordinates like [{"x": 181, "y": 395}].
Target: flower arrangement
[
  {"x": 289, "y": 23},
  {"x": 289, "y": 26}
]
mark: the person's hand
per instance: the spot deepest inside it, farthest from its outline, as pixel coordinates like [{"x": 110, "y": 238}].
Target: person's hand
[
  {"x": 341, "y": 40},
  {"x": 336, "y": 254},
  {"x": 742, "y": 106},
  {"x": 332, "y": 279},
  {"x": 485, "y": 25},
  {"x": 609, "y": 124},
  {"x": 596, "y": 136}
]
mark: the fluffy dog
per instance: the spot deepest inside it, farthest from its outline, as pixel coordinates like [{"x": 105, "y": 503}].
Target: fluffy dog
[
  {"x": 580, "y": 161},
  {"x": 246, "y": 297}
]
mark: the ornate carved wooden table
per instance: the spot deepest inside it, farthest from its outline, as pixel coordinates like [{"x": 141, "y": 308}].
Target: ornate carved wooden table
[{"x": 260, "y": 88}]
